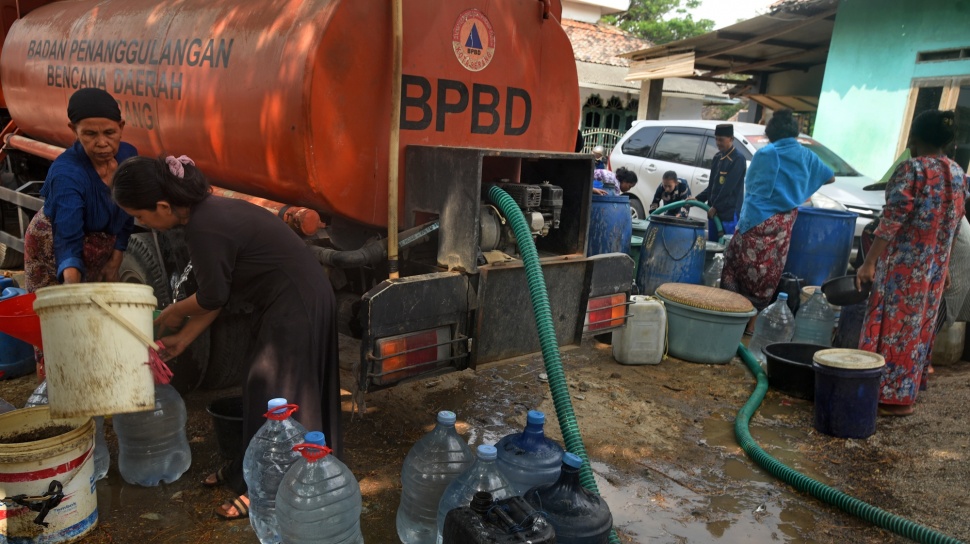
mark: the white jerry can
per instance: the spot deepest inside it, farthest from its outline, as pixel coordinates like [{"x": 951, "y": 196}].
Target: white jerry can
[{"x": 642, "y": 340}]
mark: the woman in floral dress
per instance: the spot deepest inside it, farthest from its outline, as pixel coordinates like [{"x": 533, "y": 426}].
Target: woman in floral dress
[{"x": 908, "y": 261}]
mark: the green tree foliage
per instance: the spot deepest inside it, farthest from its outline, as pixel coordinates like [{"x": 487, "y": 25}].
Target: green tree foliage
[{"x": 661, "y": 21}]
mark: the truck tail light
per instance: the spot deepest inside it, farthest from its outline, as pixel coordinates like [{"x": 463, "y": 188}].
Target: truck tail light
[
  {"x": 406, "y": 355},
  {"x": 606, "y": 312}
]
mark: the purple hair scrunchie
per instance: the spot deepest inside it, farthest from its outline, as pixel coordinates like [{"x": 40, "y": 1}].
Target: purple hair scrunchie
[{"x": 177, "y": 165}]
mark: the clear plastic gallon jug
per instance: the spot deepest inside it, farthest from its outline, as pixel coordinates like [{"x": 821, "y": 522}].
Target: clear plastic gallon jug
[
  {"x": 484, "y": 475},
  {"x": 434, "y": 461},
  {"x": 529, "y": 458},
  {"x": 815, "y": 321},
  {"x": 38, "y": 397},
  {"x": 775, "y": 324},
  {"x": 642, "y": 340},
  {"x": 712, "y": 274},
  {"x": 269, "y": 455},
  {"x": 578, "y": 515},
  {"x": 102, "y": 459},
  {"x": 319, "y": 500},
  {"x": 152, "y": 447}
]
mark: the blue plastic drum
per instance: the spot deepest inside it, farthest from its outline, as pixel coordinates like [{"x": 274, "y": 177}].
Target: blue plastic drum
[
  {"x": 610, "y": 225},
  {"x": 847, "y": 392},
  {"x": 821, "y": 242},
  {"x": 673, "y": 251}
]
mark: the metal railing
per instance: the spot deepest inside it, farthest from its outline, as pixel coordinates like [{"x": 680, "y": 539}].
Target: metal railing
[{"x": 607, "y": 138}]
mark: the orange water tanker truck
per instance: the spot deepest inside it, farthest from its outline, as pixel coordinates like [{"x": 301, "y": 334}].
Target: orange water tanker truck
[{"x": 327, "y": 107}]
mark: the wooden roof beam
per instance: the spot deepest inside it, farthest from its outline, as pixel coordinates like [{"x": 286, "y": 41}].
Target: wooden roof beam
[
  {"x": 774, "y": 33},
  {"x": 776, "y": 68},
  {"x": 768, "y": 62},
  {"x": 722, "y": 80},
  {"x": 740, "y": 37}
]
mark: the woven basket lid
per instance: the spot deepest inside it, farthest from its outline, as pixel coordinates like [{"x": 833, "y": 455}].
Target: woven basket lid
[
  {"x": 849, "y": 359},
  {"x": 705, "y": 298}
]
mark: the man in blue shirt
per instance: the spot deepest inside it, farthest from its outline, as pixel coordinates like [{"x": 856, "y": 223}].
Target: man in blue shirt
[{"x": 725, "y": 191}]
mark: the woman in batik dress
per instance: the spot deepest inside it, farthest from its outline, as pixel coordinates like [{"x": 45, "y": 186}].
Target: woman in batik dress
[
  {"x": 908, "y": 261},
  {"x": 782, "y": 175}
]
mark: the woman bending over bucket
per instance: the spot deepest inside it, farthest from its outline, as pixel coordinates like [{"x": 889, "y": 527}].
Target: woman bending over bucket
[
  {"x": 241, "y": 252},
  {"x": 907, "y": 263},
  {"x": 782, "y": 175}
]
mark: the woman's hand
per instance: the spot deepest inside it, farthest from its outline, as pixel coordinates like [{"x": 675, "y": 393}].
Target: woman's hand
[
  {"x": 171, "y": 318},
  {"x": 174, "y": 346},
  {"x": 110, "y": 271},
  {"x": 865, "y": 274},
  {"x": 71, "y": 275},
  {"x": 711, "y": 212},
  {"x": 599, "y": 192}
]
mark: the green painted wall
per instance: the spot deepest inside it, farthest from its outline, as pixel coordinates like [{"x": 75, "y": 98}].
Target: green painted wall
[{"x": 871, "y": 67}]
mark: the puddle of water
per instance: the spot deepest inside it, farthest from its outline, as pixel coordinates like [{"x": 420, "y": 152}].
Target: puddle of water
[
  {"x": 651, "y": 509},
  {"x": 734, "y": 500}
]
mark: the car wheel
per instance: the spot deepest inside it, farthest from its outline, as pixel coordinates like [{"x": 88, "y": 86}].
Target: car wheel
[{"x": 636, "y": 209}]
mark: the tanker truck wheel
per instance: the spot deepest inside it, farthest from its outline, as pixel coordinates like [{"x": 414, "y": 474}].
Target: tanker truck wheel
[
  {"x": 230, "y": 337},
  {"x": 140, "y": 265},
  {"x": 10, "y": 258}
]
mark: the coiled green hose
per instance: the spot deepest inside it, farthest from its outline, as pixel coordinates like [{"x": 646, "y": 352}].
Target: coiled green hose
[
  {"x": 547, "y": 337},
  {"x": 900, "y": 526},
  {"x": 682, "y": 203}
]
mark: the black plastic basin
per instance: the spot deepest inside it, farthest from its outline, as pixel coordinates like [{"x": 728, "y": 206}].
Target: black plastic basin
[
  {"x": 842, "y": 291},
  {"x": 227, "y": 419},
  {"x": 790, "y": 368}
]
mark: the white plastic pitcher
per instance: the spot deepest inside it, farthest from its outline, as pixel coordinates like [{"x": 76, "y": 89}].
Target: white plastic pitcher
[
  {"x": 643, "y": 339},
  {"x": 28, "y": 468},
  {"x": 95, "y": 365}
]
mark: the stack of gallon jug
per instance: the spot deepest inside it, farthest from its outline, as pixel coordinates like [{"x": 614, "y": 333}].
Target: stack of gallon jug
[
  {"x": 525, "y": 484},
  {"x": 298, "y": 492}
]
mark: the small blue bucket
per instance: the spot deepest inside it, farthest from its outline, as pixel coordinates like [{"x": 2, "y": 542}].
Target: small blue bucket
[
  {"x": 610, "y": 225},
  {"x": 673, "y": 251},
  {"x": 847, "y": 392}
]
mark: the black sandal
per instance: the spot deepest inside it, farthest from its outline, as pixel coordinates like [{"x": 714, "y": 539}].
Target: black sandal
[
  {"x": 221, "y": 476},
  {"x": 240, "y": 503}
]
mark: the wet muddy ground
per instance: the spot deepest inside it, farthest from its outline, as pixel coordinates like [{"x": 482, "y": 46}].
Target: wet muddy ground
[{"x": 660, "y": 438}]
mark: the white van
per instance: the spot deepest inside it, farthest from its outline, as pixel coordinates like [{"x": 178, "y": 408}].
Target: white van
[{"x": 650, "y": 148}]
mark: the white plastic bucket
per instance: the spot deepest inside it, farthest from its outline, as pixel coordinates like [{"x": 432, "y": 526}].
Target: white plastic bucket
[
  {"x": 642, "y": 340},
  {"x": 29, "y": 468},
  {"x": 95, "y": 366}
]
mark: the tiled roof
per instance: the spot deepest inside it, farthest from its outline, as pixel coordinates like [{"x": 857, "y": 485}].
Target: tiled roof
[{"x": 601, "y": 43}]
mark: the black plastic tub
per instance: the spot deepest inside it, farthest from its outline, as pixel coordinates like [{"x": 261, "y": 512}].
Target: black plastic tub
[
  {"x": 790, "y": 368},
  {"x": 227, "y": 418}
]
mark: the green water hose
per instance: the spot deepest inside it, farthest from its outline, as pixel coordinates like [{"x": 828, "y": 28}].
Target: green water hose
[
  {"x": 891, "y": 522},
  {"x": 697, "y": 203},
  {"x": 547, "y": 337}
]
